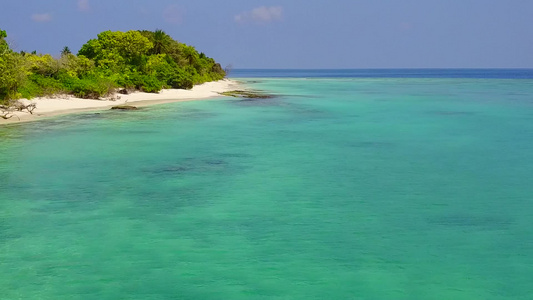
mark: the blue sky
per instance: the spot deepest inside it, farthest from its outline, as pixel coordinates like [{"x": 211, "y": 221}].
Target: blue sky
[{"x": 296, "y": 33}]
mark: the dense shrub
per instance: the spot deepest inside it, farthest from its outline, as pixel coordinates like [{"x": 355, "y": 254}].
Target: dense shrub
[
  {"x": 39, "y": 85},
  {"x": 147, "y": 83},
  {"x": 182, "y": 83},
  {"x": 92, "y": 87}
]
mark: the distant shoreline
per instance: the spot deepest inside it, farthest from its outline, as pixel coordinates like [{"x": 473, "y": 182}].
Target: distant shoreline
[{"x": 50, "y": 107}]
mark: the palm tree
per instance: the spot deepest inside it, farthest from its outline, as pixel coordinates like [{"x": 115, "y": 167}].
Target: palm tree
[
  {"x": 65, "y": 51},
  {"x": 190, "y": 54},
  {"x": 161, "y": 41}
]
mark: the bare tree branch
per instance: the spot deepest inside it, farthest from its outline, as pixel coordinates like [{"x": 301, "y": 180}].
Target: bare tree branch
[
  {"x": 19, "y": 106},
  {"x": 6, "y": 110}
]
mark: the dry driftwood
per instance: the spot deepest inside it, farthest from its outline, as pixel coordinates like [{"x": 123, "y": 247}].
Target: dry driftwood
[
  {"x": 6, "y": 111},
  {"x": 7, "y": 114},
  {"x": 19, "y": 106}
]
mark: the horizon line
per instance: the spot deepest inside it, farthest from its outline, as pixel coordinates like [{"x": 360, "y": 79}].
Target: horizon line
[{"x": 424, "y": 68}]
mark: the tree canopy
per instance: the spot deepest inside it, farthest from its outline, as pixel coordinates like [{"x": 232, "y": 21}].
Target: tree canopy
[
  {"x": 142, "y": 60},
  {"x": 4, "y": 47}
]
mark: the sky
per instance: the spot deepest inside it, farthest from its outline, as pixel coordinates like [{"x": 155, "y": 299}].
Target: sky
[{"x": 295, "y": 34}]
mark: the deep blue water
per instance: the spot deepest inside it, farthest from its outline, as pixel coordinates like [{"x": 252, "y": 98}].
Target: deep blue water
[{"x": 385, "y": 73}]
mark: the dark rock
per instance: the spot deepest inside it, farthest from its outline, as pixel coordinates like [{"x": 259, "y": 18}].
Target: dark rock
[
  {"x": 124, "y": 107},
  {"x": 247, "y": 94}
]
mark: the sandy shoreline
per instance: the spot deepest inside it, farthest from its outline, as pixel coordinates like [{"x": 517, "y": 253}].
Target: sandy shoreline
[{"x": 47, "y": 107}]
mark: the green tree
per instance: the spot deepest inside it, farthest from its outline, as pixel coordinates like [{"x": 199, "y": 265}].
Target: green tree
[
  {"x": 161, "y": 42},
  {"x": 4, "y": 47},
  {"x": 175, "y": 51},
  {"x": 190, "y": 54},
  {"x": 76, "y": 66},
  {"x": 44, "y": 65},
  {"x": 115, "y": 50},
  {"x": 13, "y": 74},
  {"x": 159, "y": 39}
]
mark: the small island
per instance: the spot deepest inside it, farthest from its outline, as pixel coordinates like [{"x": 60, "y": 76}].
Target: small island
[{"x": 129, "y": 62}]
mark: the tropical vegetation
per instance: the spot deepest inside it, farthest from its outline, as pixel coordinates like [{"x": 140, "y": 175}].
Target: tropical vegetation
[{"x": 134, "y": 60}]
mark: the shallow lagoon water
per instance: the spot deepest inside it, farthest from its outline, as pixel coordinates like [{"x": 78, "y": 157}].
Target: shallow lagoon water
[{"x": 344, "y": 188}]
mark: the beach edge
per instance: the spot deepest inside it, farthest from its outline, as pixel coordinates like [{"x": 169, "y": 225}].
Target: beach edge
[{"x": 51, "y": 107}]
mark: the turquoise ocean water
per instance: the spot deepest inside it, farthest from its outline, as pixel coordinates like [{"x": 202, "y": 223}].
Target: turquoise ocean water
[{"x": 347, "y": 185}]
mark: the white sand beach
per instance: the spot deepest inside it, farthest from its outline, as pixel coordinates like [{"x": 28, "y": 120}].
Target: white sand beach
[{"x": 46, "y": 107}]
